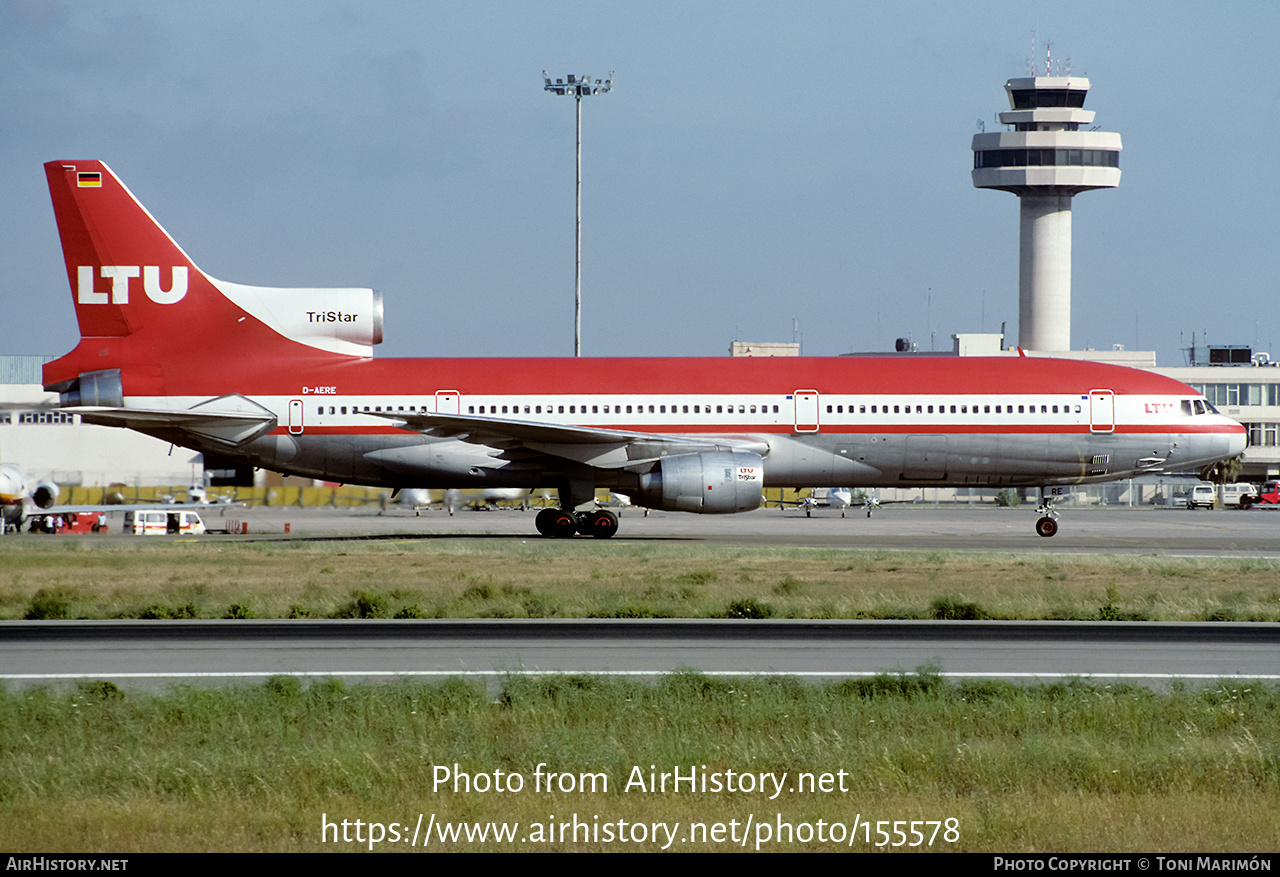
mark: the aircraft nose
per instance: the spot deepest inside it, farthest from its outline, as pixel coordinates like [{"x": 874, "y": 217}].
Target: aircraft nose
[{"x": 1236, "y": 441}]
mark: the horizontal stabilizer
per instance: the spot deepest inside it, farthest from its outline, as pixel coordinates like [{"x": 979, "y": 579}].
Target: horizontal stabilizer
[{"x": 228, "y": 420}]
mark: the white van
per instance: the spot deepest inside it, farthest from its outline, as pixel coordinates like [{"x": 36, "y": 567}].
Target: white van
[
  {"x": 1233, "y": 493},
  {"x": 1204, "y": 495},
  {"x": 161, "y": 523}
]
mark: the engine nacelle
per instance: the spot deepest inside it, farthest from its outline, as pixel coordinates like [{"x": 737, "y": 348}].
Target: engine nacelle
[
  {"x": 102, "y": 388},
  {"x": 45, "y": 495},
  {"x": 713, "y": 483}
]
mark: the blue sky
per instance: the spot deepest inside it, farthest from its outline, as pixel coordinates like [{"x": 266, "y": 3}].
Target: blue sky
[{"x": 757, "y": 164}]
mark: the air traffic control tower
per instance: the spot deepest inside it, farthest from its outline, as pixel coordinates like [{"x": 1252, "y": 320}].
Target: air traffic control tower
[{"x": 1046, "y": 158}]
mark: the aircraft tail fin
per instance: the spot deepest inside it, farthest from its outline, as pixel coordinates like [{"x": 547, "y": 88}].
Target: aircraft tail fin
[{"x": 129, "y": 277}]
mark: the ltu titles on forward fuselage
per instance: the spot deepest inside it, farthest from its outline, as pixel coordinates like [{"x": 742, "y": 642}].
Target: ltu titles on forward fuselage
[{"x": 699, "y": 435}]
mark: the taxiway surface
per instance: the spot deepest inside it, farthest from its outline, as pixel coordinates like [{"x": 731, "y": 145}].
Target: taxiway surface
[{"x": 1254, "y": 533}]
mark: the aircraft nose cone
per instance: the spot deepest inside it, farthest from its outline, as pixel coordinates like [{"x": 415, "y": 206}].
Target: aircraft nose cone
[{"x": 1236, "y": 441}]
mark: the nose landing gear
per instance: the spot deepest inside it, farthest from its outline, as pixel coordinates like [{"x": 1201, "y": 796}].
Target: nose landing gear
[{"x": 1048, "y": 524}]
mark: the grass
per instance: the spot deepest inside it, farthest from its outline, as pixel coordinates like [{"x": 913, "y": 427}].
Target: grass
[
  {"x": 457, "y": 579},
  {"x": 1045, "y": 768},
  {"x": 1074, "y": 766}
]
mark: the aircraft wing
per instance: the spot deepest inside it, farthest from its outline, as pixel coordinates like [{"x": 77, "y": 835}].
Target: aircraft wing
[
  {"x": 595, "y": 446},
  {"x": 229, "y": 420}
]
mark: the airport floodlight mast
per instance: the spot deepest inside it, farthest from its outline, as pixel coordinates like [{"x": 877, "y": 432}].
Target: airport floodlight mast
[
  {"x": 579, "y": 87},
  {"x": 1048, "y": 155}
]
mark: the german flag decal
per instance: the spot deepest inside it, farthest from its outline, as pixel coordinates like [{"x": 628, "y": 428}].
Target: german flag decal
[{"x": 88, "y": 180}]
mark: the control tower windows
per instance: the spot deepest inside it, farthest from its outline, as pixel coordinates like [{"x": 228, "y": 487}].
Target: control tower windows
[{"x": 1031, "y": 98}]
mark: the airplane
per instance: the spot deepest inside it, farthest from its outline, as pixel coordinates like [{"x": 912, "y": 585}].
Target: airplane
[
  {"x": 20, "y": 498},
  {"x": 818, "y": 497},
  {"x": 840, "y": 498},
  {"x": 286, "y": 380},
  {"x": 482, "y": 500}
]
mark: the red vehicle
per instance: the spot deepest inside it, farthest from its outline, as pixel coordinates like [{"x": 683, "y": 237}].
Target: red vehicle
[
  {"x": 1267, "y": 495},
  {"x": 70, "y": 522},
  {"x": 83, "y": 522}
]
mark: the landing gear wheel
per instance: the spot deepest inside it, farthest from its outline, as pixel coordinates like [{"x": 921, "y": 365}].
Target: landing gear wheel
[
  {"x": 602, "y": 524},
  {"x": 1046, "y": 526},
  {"x": 556, "y": 523}
]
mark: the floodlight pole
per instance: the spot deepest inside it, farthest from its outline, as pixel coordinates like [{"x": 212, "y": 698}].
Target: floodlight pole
[{"x": 579, "y": 87}]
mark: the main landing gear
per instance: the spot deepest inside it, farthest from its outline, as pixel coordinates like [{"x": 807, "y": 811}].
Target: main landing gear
[{"x": 560, "y": 524}]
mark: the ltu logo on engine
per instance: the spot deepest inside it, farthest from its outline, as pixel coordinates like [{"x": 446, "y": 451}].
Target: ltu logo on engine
[{"x": 121, "y": 275}]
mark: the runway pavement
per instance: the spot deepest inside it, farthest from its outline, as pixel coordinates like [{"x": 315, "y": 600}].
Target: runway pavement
[{"x": 155, "y": 654}]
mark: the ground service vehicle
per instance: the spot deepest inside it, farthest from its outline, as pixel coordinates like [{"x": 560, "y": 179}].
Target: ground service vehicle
[
  {"x": 1268, "y": 496},
  {"x": 1205, "y": 495},
  {"x": 162, "y": 523}
]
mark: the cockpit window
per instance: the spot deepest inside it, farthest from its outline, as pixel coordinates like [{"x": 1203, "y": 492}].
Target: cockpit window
[{"x": 1186, "y": 408}]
